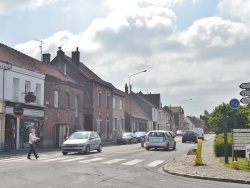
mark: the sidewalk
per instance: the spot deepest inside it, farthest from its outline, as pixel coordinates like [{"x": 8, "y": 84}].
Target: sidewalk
[{"x": 211, "y": 170}]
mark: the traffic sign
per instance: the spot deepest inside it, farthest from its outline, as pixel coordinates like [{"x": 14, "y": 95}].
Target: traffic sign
[
  {"x": 245, "y": 93},
  {"x": 234, "y": 103},
  {"x": 245, "y": 100},
  {"x": 245, "y": 86}
]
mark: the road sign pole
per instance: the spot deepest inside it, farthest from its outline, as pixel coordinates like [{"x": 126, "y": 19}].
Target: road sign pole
[
  {"x": 235, "y": 127},
  {"x": 225, "y": 133}
]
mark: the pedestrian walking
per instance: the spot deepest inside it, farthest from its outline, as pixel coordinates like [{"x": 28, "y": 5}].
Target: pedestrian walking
[{"x": 32, "y": 140}]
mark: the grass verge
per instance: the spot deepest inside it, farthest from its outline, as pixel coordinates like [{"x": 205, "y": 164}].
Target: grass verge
[{"x": 242, "y": 163}]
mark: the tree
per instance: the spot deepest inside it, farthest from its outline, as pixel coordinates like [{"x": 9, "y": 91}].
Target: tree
[
  {"x": 205, "y": 117},
  {"x": 216, "y": 118}
]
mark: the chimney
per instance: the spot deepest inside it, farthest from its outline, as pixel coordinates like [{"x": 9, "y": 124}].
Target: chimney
[
  {"x": 76, "y": 57},
  {"x": 60, "y": 54},
  {"x": 46, "y": 58},
  {"x": 126, "y": 88}
]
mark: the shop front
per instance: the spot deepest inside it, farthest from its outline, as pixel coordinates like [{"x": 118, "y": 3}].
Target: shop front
[{"x": 17, "y": 129}]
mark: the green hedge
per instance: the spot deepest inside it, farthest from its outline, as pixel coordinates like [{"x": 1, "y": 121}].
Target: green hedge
[{"x": 219, "y": 146}]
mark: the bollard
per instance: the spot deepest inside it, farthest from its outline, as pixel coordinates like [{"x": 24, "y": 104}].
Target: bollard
[
  {"x": 198, "y": 159},
  {"x": 235, "y": 164},
  {"x": 142, "y": 142}
]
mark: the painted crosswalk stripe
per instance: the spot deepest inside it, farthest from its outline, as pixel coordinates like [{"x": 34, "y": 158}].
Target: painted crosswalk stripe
[
  {"x": 74, "y": 159},
  {"x": 135, "y": 161},
  {"x": 48, "y": 160},
  {"x": 91, "y": 160},
  {"x": 13, "y": 159},
  {"x": 113, "y": 161},
  {"x": 155, "y": 163}
]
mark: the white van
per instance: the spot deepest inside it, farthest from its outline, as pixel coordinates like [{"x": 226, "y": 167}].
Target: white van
[{"x": 200, "y": 133}]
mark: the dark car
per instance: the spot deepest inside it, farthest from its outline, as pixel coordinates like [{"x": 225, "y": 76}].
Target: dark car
[
  {"x": 127, "y": 138},
  {"x": 190, "y": 136},
  {"x": 140, "y": 136}
]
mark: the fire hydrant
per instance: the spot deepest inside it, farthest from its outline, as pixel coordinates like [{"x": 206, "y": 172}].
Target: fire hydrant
[{"x": 198, "y": 159}]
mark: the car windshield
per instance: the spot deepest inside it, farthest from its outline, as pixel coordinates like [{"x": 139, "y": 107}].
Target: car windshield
[
  {"x": 189, "y": 133},
  {"x": 79, "y": 135},
  {"x": 140, "y": 133},
  {"x": 156, "y": 134},
  {"x": 126, "y": 134}
]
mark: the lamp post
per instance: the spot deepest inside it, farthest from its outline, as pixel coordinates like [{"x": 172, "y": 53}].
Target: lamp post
[
  {"x": 130, "y": 89},
  {"x": 181, "y": 110}
]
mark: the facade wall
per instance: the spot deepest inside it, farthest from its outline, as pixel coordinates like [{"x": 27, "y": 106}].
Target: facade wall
[
  {"x": 118, "y": 122},
  {"x": 103, "y": 113},
  {"x": 14, "y": 131},
  {"x": 62, "y": 119}
]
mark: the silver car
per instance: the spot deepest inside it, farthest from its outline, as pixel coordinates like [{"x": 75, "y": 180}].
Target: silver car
[
  {"x": 160, "y": 139},
  {"x": 83, "y": 142}
]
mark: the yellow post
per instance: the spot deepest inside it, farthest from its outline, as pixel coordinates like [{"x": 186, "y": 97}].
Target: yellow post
[{"x": 198, "y": 159}]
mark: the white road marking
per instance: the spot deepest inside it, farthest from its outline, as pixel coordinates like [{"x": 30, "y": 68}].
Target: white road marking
[
  {"x": 48, "y": 160},
  {"x": 73, "y": 159},
  {"x": 91, "y": 160},
  {"x": 155, "y": 163},
  {"x": 113, "y": 161},
  {"x": 135, "y": 161}
]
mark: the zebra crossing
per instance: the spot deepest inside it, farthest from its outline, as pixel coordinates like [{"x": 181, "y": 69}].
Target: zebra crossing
[{"x": 85, "y": 160}]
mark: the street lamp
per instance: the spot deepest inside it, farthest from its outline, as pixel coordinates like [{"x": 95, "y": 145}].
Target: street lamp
[
  {"x": 181, "y": 110},
  {"x": 130, "y": 89}
]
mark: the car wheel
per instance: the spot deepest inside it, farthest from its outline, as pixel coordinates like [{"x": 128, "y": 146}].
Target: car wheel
[
  {"x": 99, "y": 148},
  {"x": 174, "y": 146},
  {"x": 136, "y": 141},
  {"x": 64, "y": 153},
  {"x": 87, "y": 150},
  {"x": 147, "y": 148},
  {"x": 167, "y": 148}
]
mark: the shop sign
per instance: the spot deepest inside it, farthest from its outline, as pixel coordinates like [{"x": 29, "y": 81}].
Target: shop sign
[
  {"x": 29, "y": 97},
  {"x": 18, "y": 111}
]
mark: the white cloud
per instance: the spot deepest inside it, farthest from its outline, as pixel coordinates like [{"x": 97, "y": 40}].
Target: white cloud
[
  {"x": 7, "y": 6},
  {"x": 206, "y": 62},
  {"x": 214, "y": 31},
  {"x": 238, "y": 9}
]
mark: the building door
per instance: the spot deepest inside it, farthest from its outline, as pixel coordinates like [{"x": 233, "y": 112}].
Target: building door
[{"x": 62, "y": 132}]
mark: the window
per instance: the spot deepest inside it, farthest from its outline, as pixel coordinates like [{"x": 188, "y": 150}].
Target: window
[
  {"x": 107, "y": 99},
  {"x": 98, "y": 128},
  {"x": 121, "y": 125},
  {"x": 121, "y": 104},
  {"x": 38, "y": 93},
  {"x": 15, "y": 89},
  {"x": 65, "y": 69},
  {"x": 76, "y": 106},
  {"x": 27, "y": 86},
  {"x": 56, "y": 99},
  {"x": 67, "y": 101},
  {"x": 114, "y": 102},
  {"x": 115, "y": 124}
]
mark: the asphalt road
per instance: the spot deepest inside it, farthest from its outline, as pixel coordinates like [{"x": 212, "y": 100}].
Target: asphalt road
[{"x": 117, "y": 166}]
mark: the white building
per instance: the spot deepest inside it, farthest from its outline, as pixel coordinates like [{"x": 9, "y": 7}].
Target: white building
[{"x": 15, "y": 84}]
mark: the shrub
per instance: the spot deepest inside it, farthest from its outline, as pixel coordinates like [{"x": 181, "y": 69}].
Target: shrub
[{"x": 219, "y": 146}]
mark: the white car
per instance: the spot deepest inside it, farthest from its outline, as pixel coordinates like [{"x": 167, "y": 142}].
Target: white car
[
  {"x": 200, "y": 133},
  {"x": 82, "y": 141},
  {"x": 160, "y": 139}
]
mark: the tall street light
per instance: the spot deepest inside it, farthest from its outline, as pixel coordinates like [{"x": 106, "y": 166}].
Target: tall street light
[
  {"x": 130, "y": 89},
  {"x": 181, "y": 110}
]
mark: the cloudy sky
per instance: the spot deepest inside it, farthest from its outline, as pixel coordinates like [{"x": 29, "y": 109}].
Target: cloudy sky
[{"x": 195, "y": 49}]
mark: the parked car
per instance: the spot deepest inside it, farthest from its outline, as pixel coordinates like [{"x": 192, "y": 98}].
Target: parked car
[
  {"x": 140, "y": 136},
  {"x": 127, "y": 138},
  {"x": 160, "y": 139},
  {"x": 82, "y": 141},
  {"x": 179, "y": 132},
  {"x": 200, "y": 133},
  {"x": 190, "y": 135}
]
